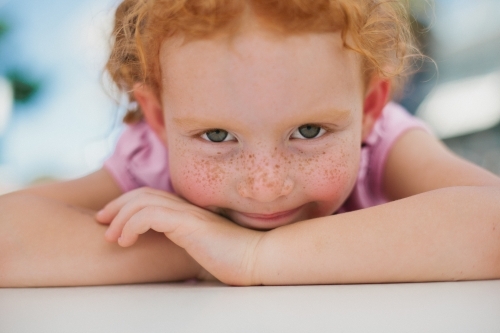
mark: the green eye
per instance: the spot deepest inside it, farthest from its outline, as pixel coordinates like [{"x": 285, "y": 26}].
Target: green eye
[
  {"x": 308, "y": 131},
  {"x": 216, "y": 135}
]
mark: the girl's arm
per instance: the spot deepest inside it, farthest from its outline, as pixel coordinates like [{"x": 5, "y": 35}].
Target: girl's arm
[
  {"x": 443, "y": 235},
  {"x": 92, "y": 191},
  {"x": 48, "y": 238},
  {"x": 447, "y": 229},
  {"x": 419, "y": 163}
]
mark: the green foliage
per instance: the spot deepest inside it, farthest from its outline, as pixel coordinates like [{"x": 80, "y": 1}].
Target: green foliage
[
  {"x": 24, "y": 87},
  {"x": 3, "y": 28}
]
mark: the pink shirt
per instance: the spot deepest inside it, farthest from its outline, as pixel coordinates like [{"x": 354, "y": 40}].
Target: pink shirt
[{"x": 141, "y": 159}]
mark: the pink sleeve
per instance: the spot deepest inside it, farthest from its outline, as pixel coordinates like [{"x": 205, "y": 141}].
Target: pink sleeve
[
  {"x": 368, "y": 190},
  {"x": 140, "y": 159}
]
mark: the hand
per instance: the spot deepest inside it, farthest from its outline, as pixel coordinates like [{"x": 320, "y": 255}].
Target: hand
[{"x": 224, "y": 249}]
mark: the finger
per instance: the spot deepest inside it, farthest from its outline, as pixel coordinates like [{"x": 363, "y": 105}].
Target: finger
[
  {"x": 130, "y": 209},
  {"x": 141, "y": 200},
  {"x": 151, "y": 217},
  {"x": 177, "y": 225},
  {"x": 225, "y": 250},
  {"x": 109, "y": 212},
  {"x": 102, "y": 217}
]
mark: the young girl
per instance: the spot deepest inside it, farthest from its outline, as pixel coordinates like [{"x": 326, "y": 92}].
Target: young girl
[{"x": 263, "y": 151}]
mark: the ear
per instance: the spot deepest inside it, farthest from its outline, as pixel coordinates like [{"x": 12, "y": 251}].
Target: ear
[
  {"x": 376, "y": 98},
  {"x": 151, "y": 109}
]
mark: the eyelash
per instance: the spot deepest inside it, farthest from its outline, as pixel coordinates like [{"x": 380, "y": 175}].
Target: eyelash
[
  {"x": 204, "y": 135},
  {"x": 322, "y": 131},
  {"x": 231, "y": 137}
]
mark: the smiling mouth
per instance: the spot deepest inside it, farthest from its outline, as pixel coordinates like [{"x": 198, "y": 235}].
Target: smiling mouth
[{"x": 272, "y": 216}]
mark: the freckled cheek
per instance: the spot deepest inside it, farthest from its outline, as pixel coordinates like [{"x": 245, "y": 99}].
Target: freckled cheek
[
  {"x": 201, "y": 181},
  {"x": 331, "y": 177}
]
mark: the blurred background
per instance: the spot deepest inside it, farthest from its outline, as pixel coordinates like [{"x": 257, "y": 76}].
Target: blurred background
[
  {"x": 58, "y": 122},
  {"x": 56, "y": 119}
]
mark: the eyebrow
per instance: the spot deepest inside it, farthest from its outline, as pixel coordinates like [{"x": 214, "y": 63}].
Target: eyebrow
[
  {"x": 191, "y": 122},
  {"x": 328, "y": 115}
]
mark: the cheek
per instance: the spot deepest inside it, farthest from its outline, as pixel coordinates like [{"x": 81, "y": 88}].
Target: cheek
[
  {"x": 199, "y": 180},
  {"x": 330, "y": 177}
]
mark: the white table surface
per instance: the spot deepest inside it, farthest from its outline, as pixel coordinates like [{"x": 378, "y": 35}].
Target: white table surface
[{"x": 209, "y": 307}]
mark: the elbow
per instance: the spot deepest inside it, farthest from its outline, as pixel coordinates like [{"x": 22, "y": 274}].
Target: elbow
[
  {"x": 8, "y": 205},
  {"x": 495, "y": 262},
  {"x": 495, "y": 233},
  {"x": 6, "y": 278},
  {"x": 13, "y": 230},
  {"x": 488, "y": 250}
]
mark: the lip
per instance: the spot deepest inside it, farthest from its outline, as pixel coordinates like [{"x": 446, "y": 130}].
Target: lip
[{"x": 273, "y": 216}]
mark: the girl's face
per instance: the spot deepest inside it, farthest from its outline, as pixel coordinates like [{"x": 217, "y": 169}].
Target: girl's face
[{"x": 262, "y": 128}]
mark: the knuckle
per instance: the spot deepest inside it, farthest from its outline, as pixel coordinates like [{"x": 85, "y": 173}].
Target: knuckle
[
  {"x": 153, "y": 211},
  {"x": 141, "y": 192},
  {"x": 200, "y": 215},
  {"x": 149, "y": 190}
]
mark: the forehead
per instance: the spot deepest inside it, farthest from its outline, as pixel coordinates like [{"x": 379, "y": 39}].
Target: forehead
[{"x": 260, "y": 69}]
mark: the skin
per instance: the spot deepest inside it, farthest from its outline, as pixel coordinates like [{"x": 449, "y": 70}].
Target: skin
[
  {"x": 231, "y": 219},
  {"x": 265, "y": 174},
  {"x": 262, "y": 169},
  {"x": 261, "y": 87},
  {"x": 50, "y": 237}
]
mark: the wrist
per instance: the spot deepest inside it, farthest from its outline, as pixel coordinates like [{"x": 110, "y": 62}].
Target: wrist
[
  {"x": 256, "y": 260},
  {"x": 204, "y": 275}
]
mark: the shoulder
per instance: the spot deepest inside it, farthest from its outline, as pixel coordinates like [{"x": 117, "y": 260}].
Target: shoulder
[
  {"x": 420, "y": 162},
  {"x": 140, "y": 159},
  {"x": 394, "y": 123}
]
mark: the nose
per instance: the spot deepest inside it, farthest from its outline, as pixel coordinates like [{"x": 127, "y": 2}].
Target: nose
[{"x": 268, "y": 180}]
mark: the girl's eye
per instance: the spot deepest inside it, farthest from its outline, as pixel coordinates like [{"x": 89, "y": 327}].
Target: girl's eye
[
  {"x": 217, "y": 135},
  {"x": 308, "y": 131}
]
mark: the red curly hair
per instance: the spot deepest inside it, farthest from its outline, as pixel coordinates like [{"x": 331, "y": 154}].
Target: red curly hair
[{"x": 376, "y": 29}]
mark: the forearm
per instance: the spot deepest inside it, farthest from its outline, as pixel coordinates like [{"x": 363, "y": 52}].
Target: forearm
[
  {"x": 92, "y": 191},
  {"x": 46, "y": 243},
  {"x": 447, "y": 234}
]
